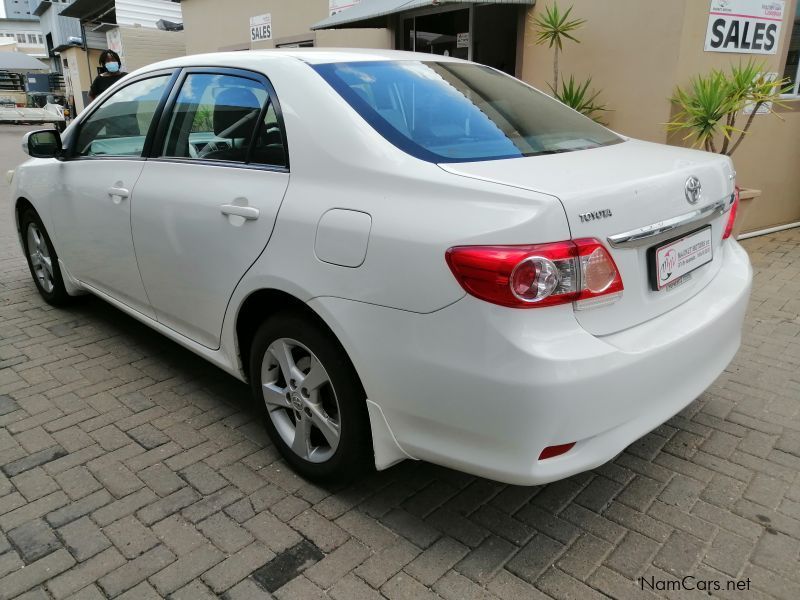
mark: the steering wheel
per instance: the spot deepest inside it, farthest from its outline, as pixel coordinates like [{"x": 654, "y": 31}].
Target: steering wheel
[{"x": 213, "y": 146}]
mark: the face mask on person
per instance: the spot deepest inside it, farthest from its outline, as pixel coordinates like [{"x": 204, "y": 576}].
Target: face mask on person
[{"x": 112, "y": 67}]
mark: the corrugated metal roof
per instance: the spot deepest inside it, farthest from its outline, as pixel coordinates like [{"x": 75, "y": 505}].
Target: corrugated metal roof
[
  {"x": 371, "y": 9},
  {"x": 127, "y": 12}
]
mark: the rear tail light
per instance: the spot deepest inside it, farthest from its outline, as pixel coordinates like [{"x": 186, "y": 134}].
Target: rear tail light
[
  {"x": 537, "y": 275},
  {"x": 732, "y": 214}
]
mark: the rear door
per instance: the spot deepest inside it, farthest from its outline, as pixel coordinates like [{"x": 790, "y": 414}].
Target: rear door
[{"x": 208, "y": 197}]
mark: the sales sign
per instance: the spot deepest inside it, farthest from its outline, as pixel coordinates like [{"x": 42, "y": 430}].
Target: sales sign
[
  {"x": 261, "y": 28},
  {"x": 744, "y": 26}
]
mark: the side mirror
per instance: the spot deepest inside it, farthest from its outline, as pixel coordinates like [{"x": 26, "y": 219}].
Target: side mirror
[{"x": 45, "y": 143}]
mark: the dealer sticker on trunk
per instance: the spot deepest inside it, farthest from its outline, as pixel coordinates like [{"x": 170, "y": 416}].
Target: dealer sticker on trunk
[{"x": 679, "y": 257}]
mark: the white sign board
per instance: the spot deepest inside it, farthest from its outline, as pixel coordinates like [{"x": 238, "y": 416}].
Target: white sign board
[
  {"x": 744, "y": 26},
  {"x": 261, "y": 28},
  {"x": 336, "y": 6},
  {"x": 462, "y": 40}
]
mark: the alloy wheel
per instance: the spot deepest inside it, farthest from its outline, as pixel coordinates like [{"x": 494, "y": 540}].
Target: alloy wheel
[
  {"x": 301, "y": 400},
  {"x": 40, "y": 258}
]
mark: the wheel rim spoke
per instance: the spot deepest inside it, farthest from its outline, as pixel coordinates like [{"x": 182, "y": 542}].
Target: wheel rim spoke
[
  {"x": 275, "y": 397},
  {"x": 283, "y": 354},
  {"x": 48, "y": 264},
  {"x": 302, "y": 437},
  {"x": 316, "y": 377},
  {"x": 326, "y": 425}
]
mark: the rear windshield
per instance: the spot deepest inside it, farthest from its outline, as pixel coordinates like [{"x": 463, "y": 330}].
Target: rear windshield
[{"x": 454, "y": 112}]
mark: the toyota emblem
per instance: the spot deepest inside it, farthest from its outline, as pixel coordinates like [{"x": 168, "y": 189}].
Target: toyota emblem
[{"x": 694, "y": 190}]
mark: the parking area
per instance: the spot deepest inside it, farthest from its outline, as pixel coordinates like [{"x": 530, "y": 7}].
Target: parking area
[{"x": 131, "y": 468}]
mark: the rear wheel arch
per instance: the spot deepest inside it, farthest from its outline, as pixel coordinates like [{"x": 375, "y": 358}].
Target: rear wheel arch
[{"x": 261, "y": 305}]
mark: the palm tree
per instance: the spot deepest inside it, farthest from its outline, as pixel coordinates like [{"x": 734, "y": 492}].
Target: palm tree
[{"x": 553, "y": 27}]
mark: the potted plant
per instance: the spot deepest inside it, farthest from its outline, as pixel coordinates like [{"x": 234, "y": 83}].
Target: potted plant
[{"x": 709, "y": 110}]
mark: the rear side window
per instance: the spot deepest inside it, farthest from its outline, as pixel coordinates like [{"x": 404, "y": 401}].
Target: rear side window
[
  {"x": 219, "y": 117},
  {"x": 119, "y": 127},
  {"x": 457, "y": 112}
]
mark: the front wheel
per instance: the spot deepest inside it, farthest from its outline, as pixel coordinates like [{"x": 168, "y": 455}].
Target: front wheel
[
  {"x": 42, "y": 260},
  {"x": 313, "y": 402}
]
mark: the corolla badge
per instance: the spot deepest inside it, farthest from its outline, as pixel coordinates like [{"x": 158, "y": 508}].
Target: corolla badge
[{"x": 693, "y": 189}]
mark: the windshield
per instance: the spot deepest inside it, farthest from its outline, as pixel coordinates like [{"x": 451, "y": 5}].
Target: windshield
[{"x": 458, "y": 112}]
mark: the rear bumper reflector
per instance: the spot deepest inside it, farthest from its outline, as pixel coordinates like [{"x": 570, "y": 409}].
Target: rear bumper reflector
[{"x": 552, "y": 451}]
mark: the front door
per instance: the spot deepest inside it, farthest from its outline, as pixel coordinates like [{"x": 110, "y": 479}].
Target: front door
[
  {"x": 207, "y": 201},
  {"x": 96, "y": 191}
]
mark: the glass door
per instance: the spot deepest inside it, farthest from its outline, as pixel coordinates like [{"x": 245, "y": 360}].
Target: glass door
[{"x": 446, "y": 33}]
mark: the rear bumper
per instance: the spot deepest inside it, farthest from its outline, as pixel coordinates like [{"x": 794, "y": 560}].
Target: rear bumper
[{"x": 484, "y": 389}]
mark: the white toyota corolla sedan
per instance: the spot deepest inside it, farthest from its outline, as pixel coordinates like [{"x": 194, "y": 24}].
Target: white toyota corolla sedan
[{"x": 406, "y": 255}]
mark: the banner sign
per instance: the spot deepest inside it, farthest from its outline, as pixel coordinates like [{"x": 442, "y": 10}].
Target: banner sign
[
  {"x": 261, "y": 28},
  {"x": 744, "y": 26}
]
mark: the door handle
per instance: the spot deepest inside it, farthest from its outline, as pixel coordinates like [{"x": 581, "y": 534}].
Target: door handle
[
  {"x": 246, "y": 212},
  {"x": 118, "y": 191}
]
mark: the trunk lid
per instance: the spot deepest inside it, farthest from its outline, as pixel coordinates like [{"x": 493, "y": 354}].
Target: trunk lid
[{"x": 616, "y": 189}]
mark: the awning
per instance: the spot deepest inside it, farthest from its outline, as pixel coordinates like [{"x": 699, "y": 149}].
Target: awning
[
  {"x": 373, "y": 9},
  {"x": 19, "y": 61},
  {"x": 88, "y": 10}
]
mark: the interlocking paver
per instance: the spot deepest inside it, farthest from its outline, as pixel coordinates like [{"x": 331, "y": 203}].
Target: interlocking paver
[
  {"x": 33, "y": 540},
  {"x": 129, "y": 468},
  {"x": 83, "y": 538}
]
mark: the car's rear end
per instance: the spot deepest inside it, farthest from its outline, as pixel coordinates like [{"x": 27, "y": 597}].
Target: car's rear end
[{"x": 563, "y": 350}]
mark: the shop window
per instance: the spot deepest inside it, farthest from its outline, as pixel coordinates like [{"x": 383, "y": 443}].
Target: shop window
[{"x": 792, "y": 71}]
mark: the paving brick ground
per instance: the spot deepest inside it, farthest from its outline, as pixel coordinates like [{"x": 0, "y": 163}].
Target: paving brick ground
[{"x": 130, "y": 468}]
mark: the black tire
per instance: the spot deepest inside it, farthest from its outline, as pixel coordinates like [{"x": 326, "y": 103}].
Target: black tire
[
  {"x": 353, "y": 455},
  {"x": 57, "y": 296}
]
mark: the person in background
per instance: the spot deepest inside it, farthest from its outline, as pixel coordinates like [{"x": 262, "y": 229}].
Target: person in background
[{"x": 112, "y": 72}]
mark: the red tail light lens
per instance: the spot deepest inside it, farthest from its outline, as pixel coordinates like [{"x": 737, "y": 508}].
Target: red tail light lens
[
  {"x": 732, "y": 215},
  {"x": 536, "y": 275}
]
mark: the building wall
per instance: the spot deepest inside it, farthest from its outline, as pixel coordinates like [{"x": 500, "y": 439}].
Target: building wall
[
  {"x": 19, "y": 9},
  {"x": 637, "y": 51},
  {"x": 10, "y": 28},
  {"x": 142, "y": 46},
  {"x": 207, "y": 30},
  {"x": 147, "y": 12}
]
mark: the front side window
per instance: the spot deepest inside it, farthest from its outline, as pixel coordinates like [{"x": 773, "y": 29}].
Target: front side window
[
  {"x": 217, "y": 117},
  {"x": 119, "y": 127},
  {"x": 453, "y": 112}
]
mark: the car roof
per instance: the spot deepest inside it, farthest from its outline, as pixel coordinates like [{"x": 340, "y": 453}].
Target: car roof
[{"x": 312, "y": 56}]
